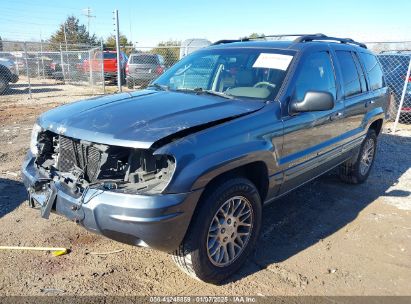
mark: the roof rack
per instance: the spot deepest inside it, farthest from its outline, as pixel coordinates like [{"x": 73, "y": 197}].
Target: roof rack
[
  {"x": 256, "y": 38},
  {"x": 230, "y": 41},
  {"x": 280, "y": 36},
  {"x": 322, "y": 37},
  {"x": 301, "y": 38}
]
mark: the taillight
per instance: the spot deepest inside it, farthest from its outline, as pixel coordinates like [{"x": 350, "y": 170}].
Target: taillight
[
  {"x": 127, "y": 68},
  {"x": 159, "y": 70}
]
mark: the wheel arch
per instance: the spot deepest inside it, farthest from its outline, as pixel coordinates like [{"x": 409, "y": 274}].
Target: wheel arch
[
  {"x": 256, "y": 172},
  {"x": 376, "y": 125}
]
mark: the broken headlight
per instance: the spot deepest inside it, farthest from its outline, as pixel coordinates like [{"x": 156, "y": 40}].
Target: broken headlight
[{"x": 34, "y": 139}]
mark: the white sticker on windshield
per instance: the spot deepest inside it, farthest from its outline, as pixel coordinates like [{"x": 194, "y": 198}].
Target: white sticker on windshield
[{"x": 273, "y": 61}]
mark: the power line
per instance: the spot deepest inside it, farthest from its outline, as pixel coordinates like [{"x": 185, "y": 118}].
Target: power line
[{"x": 89, "y": 16}]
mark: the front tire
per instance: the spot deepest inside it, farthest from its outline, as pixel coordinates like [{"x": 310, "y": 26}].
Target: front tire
[
  {"x": 357, "y": 169},
  {"x": 223, "y": 231}
]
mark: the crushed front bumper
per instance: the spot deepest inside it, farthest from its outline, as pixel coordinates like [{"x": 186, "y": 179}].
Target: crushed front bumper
[{"x": 157, "y": 221}]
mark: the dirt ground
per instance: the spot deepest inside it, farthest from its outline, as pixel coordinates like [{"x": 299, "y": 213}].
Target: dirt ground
[{"x": 326, "y": 238}]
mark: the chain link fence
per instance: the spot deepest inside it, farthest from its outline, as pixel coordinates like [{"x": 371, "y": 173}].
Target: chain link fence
[
  {"x": 36, "y": 68},
  {"x": 147, "y": 63},
  {"x": 395, "y": 59},
  {"x": 33, "y": 68}
]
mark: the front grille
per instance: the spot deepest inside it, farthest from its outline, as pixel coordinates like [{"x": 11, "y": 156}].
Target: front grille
[{"x": 74, "y": 154}]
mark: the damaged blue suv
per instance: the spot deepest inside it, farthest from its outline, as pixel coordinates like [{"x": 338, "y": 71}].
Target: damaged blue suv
[{"x": 186, "y": 165}]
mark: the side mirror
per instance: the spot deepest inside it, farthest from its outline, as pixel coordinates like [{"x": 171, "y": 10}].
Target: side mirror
[{"x": 313, "y": 101}]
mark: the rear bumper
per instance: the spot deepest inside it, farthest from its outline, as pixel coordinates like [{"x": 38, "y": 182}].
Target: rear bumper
[
  {"x": 141, "y": 77},
  {"x": 157, "y": 221},
  {"x": 110, "y": 75}
]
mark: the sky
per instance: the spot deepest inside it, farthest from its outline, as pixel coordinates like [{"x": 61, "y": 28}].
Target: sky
[{"x": 148, "y": 22}]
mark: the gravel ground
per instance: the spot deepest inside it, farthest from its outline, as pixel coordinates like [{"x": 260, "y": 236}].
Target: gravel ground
[{"x": 326, "y": 238}]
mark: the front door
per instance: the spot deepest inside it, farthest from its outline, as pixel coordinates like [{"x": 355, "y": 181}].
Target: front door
[{"x": 312, "y": 139}]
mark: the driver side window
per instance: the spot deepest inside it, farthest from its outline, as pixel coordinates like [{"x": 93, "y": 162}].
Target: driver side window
[{"x": 316, "y": 74}]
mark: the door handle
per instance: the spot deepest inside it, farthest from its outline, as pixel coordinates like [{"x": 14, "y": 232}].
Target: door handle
[{"x": 336, "y": 116}]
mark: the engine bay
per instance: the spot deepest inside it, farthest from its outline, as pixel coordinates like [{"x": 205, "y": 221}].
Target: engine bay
[{"x": 79, "y": 164}]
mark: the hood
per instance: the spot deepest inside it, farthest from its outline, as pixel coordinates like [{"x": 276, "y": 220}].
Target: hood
[{"x": 141, "y": 118}]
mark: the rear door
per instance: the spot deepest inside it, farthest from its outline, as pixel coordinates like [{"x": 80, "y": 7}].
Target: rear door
[
  {"x": 376, "y": 81},
  {"x": 354, "y": 90}
]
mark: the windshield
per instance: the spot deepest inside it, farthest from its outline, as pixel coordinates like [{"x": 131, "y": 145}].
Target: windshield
[{"x": 246, "y": 72}]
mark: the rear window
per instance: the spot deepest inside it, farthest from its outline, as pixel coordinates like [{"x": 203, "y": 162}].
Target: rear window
[
  {"x": 374, "y": 71},
  {"x": 143, "y": 59},
  {"x": 110, "y": 55}
]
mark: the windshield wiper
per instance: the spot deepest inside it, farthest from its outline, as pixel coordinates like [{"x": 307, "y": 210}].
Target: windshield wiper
[
  {"x": 211, "y": 92},
  {"x": 160, "y": 87}
]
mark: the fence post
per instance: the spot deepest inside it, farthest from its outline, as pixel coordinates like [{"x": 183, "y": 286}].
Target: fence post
[
  {"x": 42, "y": 57},
  {"x": 102, "y": 67},
  {"x": 62, "y": 64},
  {"x": 404, "y": 90},
  {"x": 27, "y": 68},
  {"x": 120, "y": 89},
  {"x": 90, "y": 67}
]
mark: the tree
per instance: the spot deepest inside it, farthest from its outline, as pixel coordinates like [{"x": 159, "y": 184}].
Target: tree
[
  {"x": 170, "y": 50},
  {"x": 253, "y": 36},
  {"x": 1, "y": 45},
  {"x": 75, "y": 33},
  {"x": 111, "y": 43}
]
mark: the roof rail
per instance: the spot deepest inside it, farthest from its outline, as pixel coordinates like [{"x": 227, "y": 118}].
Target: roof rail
[
  {"x": 281, "y": 36},
  {"x": 301, "y": 38},
  {"x": 230, "y": 41},
  {"x": 322, "y": 37},
  {"x": 259, "y": 37}
]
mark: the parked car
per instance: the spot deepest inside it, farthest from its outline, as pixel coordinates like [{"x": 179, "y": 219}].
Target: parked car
[
  {"x": 110, "y": 65},
  {"x": 395, "y": 67},
  {"x": 189, "y": 46},
  {"x": 7, "y": 55},
  {"x": 186, "y": 167},
  {"x": 8, "y": 73},
  {"x": 142, "y": 68}
]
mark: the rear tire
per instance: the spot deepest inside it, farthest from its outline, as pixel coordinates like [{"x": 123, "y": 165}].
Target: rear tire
[
  {"x": 223, "y": 231},
  {"x": 4, "y": 85},
  {"x": 357, "y": 169},
  {"x": 130, "y": 84}
]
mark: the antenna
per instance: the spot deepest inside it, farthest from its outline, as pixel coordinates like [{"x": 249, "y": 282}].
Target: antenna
[{"x": 87, "y": 13}]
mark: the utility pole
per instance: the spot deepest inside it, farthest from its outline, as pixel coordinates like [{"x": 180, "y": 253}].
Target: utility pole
[
  {"x": 87, "y": 13},
  {"x": 65, "y": 35},
  {"x": 120, "y": 89}
]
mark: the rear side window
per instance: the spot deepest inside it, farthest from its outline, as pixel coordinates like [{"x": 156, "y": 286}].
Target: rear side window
[
  {"x": 374, "y": 71},
  {"x": 317, "y": 74},
  {"x": 144, "y": 59},
  {"x": 360, "y": 72},
  {"x": 351, "y": 80}
]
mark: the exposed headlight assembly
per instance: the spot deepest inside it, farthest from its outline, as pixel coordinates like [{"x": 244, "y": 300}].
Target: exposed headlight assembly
[{"x": 34, "y": 139}]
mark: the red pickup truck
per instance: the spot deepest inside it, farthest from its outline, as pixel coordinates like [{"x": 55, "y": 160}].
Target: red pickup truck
[{"x": 110, "y": 64}]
